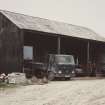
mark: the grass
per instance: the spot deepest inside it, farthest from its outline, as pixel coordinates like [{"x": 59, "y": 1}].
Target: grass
[{"x": 5, "y": 85}]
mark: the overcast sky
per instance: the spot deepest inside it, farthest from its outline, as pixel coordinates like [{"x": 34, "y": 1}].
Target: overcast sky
[{"x": 88, "y": 13}]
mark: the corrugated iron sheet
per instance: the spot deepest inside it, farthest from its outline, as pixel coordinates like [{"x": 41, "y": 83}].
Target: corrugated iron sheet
[{"x": 45, "y": 25}]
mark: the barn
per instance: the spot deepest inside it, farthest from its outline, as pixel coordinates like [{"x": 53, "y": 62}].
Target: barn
[{"x": 26, "y": 37}]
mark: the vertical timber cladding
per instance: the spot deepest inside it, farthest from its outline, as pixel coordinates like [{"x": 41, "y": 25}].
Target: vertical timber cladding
[
  {"x": 100, "y": 58},
  {"x": 10, "y": 46}
]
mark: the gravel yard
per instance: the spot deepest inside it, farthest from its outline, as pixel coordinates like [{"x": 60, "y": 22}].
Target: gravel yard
[{"x": 75, "y": 92}]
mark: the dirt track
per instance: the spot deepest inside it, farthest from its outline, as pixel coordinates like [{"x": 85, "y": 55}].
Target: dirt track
[{"x": 75, "y": 92}]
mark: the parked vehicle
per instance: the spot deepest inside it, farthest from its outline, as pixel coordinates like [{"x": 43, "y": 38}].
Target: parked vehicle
[
  {"x": 60, "y": 66},
  {"x": 56, "y": 65},
  {"x": 79, "y": 72}
]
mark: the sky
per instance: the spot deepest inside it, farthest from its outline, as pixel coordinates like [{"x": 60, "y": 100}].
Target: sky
[{"x": 87, "y": 13}]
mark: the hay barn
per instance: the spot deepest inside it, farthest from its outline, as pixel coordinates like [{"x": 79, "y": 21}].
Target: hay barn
[{"x": 23, "y": 36}]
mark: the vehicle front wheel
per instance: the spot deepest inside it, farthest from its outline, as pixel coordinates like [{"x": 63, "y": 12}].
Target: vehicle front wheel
[{"x": 51, "y": 76}]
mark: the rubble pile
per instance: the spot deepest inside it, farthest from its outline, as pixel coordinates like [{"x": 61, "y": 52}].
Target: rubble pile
[
  {"x": 17, "y": 78},
  {"x": 20, "y": 78},
  {"x": 3, "y": 77}
]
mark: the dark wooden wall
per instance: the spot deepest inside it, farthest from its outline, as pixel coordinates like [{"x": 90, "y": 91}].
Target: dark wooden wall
[{"x": 11, "y": 46}]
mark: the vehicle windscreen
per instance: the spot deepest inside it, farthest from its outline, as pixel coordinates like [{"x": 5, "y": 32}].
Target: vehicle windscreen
[{"x": 64, "y": 59}]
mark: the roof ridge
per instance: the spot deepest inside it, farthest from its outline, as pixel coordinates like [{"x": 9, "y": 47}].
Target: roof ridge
[
  {"x": 24, "y": 21},
  {"x": 42, "y": 18}
]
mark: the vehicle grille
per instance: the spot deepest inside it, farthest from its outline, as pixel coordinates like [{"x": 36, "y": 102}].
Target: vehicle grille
[{"x": 65, "y": 68}]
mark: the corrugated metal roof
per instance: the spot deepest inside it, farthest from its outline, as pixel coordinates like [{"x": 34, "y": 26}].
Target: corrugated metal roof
[{"x": 45, "y": 25}]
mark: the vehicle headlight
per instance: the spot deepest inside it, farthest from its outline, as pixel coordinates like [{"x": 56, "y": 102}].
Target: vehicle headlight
[
  {"x": 73, "y": 72},
  {"x": 59, "y": 72}
]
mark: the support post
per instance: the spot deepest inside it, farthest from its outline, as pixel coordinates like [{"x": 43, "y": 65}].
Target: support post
[
  {"x": 88, "y": 59},
  {"x": 88, "y": 52},
  {"x": 59, "y": 45}
]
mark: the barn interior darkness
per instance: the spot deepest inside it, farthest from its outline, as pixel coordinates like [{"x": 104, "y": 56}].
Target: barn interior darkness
[{"x": 45, "y": 43}]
